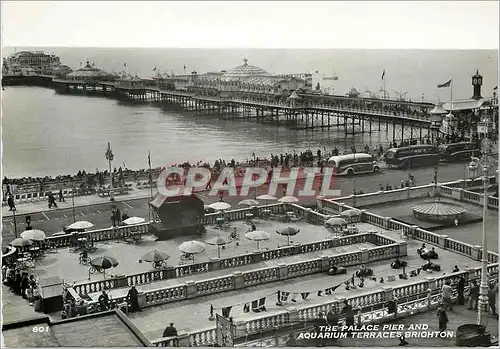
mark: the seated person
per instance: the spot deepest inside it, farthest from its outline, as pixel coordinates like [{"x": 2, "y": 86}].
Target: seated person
[
  {"x": 104, "y": 301},
  {"x": 432, "y": 253},
  {"x": 422, "y": 249},
  {"x": 455, "y": 269},
  {"x": 333, "y": 270},
  {"x": 398, "y": 264},
  {"x": 84, "y": 255}
]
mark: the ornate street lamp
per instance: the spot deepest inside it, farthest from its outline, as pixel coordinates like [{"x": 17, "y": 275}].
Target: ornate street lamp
[
  {"x": 483, "y": 305},
  {"x": 110, "y": 157}
]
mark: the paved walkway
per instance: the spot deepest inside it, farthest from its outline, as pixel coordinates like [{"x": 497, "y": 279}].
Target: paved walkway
[
  {"x": 65, "y": 263},
  {"x": 15, "y": 308},
  {"x": 192, "y": 315}
]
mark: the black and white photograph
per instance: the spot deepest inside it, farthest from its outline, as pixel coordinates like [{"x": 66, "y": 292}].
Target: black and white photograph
[{"x": 249, "y": 173}]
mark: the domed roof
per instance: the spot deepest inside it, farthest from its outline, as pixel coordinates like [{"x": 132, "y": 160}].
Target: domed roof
[
  {"x": 89, "y": 71},
  {"x": 438, "y": 109},
  {"x": 244, "y": 71},
  {"x": 439, "y": 209}
]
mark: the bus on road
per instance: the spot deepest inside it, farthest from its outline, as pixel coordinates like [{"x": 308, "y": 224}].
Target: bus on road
[
  {"x": 412, "y": 156},
  {"x": 461, "y": 151},
  {"x": 351, "y": 164}
]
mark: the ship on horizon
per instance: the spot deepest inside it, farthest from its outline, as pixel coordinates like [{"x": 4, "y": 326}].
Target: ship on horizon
[{"x": 332, "y": 77}]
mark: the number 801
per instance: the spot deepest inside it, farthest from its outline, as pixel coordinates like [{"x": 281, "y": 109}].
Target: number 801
[{"x": 41, "y": 329}]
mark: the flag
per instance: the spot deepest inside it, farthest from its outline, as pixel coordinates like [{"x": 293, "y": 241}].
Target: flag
[
  {"x": 184, "y": 67},
  {"x": 246, "y": 308},
  {"x": 335, "y": 287},
  {"x": 496, "y": 88},
  {"x": 125, "y": 64},
  {"x": 154, "y": 69},
  {"x": 284, "y": 296},
  {"x": 149, "y": 159},
  {"x": 305, "y": 295},
  {"x": 259, "y": 305},
  {"x": 446, "y": 84},
  {"x": 226, "y": 311},
  {"x": 383, "y": 75}
]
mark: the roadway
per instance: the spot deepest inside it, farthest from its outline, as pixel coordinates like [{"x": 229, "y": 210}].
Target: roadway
[{"x": 53, "y": 220}]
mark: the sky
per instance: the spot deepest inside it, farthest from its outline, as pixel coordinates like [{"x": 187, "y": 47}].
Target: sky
[{"x": 255, "y": 24}]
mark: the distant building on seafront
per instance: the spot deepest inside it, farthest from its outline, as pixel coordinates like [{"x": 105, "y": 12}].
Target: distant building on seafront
[{"x": 29, "y": 63}]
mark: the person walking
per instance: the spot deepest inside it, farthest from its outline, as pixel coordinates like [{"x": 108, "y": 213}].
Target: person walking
[
  {"x": 10, "y": 202},
  {"x": 133, "y": 299},
  {"x": 492, "y": 299},
  {"x": 473, "y": 295},
  {"x": 442, "y": 318},
  {"x": 446, "y": 291},
  {"x": 52, "y": 200},
  {"x": 460, "y": 290},
  {"x": 349, "y": 313},
  {"x": 61, "y": 197}
]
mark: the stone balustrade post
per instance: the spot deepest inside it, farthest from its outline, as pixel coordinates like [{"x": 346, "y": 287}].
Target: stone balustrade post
[
  {"x": 364, "y": 255},
  {"x": 403, "y": 248},
  {"x": 183, "y": 338},
  {"x": 413, "y": 231},
  {"x": 296, "y": 248},
  {"x": 388, "y": 294},
  {"x": 121, "y": 282},
  {"x": 214, "y": 264},
  {"x": 386, "y": 222},
  {"x": 293, "y": 316},
  {"x": 240, "y": 329},
  {"x": 457, "y": 194},
  {"x": 169, "y": 272},
  {"x": 239, "y": 280},
  {"x": 283, "y": 271},
  {"x": 470, "y": 274},
  {"x": 257, "y": 256},
  {"x": 341, "y": 207},
  {"x": 362, "y": 215},
  {"x": 307, "y": 214},
  {"x": 319, "y": 202},
  {"x": 442, "y": 241},
  {"x": 325, "y": 263},
  {"x": 191, "y": 289},
  {"x": 475, "y": 252},
  {"x": 431, "y": 282}
]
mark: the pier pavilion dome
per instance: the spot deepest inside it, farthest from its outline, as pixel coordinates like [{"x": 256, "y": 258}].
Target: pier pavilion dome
[
  {"x": 243, "y": 72},
  {"x": 90, "y": 73}
]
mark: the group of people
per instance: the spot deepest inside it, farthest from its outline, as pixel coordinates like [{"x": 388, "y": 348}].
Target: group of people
[{"x": 20, "y": 283}]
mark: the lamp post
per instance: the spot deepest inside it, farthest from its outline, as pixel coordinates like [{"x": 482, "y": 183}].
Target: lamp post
[
  {"x": 15, "y": 223},
  {"x": 483, "y": 303},
  {"x": 110, "y": 157},
  {"x": 28, "y": 222},
  {"x": 73, "y": 200}
]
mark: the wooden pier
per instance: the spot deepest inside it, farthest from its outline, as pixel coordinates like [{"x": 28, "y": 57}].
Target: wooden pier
[{"x": 303, "y": 112}]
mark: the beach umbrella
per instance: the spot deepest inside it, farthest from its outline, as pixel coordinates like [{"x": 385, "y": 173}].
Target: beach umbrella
[
  {"x": 134, "y": 220},
  {"x": 208, "y": 208},
  {"x": 33, "y": 235},
  {"x": 289, "y": 231},
  {"x": 192, "y": 247},
  {"x": 104, "y": 263},
  {"x": 288, "y": 199},
  {"x": 219, "y": 206},
  {"x": 266, "y": 197},
  {"x": 155, "y": 256},
  {"x": 350, "y": 213},
  {"x": 80, "y": 225},
  {"x": 249, "y": 202},
  {"x": 258, "y": 236},
  {"x": 335, "y": 222},
  {"x": 218, "y": 241},
  {"x": 20, "y": 242}
]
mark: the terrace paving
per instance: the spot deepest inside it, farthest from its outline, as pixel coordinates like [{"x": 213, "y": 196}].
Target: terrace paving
[
  {"x": 470, "y": 233},
  {"x": 192, "y": 315},
  {"x": 65, "y": 263}
]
